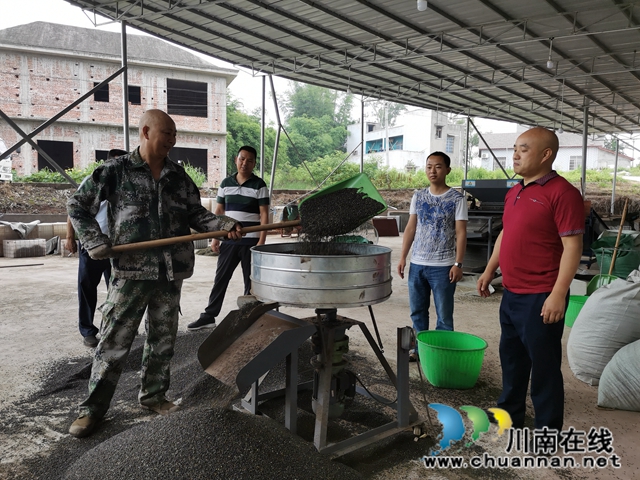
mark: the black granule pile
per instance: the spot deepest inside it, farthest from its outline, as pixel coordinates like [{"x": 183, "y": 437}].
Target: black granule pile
[
  {"x": 336, "y": 213},
  {"x": 205, "y": 443},
  {"x": 201, "y": 441}
]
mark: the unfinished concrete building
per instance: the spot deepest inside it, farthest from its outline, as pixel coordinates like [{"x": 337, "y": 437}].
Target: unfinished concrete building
[{"x": 45, "y": 67}]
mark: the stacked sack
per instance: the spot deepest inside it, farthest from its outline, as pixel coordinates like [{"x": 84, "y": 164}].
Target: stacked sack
[{"x": 604, "y": 343}]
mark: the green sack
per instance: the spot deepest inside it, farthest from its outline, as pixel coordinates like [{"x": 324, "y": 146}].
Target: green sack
[{"x": 627, "y": 259}]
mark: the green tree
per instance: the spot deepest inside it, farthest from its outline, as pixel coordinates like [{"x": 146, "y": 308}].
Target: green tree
[
  {"x": 244, "y": 129},
  {"x": 383, "y": 110},
  {"x": 316, "y": 121},
  {"x": 303, "y": 100},
  {"x": 611, "y": 143}
]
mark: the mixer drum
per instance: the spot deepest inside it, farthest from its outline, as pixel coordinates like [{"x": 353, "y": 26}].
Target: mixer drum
[{"x": 343, "y": 275}]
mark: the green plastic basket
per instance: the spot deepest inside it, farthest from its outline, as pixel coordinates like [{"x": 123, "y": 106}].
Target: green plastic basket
[
  {"x": 451, "y": 359},
  {"x": 599, "y": 281},
  {"x": 359, "y": 181},
  {"x": 576, "y": 302}
]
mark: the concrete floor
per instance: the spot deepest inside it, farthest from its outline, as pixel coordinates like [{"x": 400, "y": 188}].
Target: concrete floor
[{"x": 38, "y": 325}]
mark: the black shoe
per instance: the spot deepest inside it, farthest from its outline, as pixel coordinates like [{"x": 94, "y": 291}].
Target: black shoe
[
  {"x": 90, "y": 341},
  {"x": 200, "y": 324}
]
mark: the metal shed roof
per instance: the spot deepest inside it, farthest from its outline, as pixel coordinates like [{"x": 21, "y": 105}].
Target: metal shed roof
[{"x": 486, "y": 58}]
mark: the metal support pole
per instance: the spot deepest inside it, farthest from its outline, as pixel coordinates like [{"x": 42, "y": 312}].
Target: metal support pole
[
  {"x": 263, "y": 125},
  {"x": 362, "y": 144},
  {"x": 615, "y": 175},
  {"x": 487, "y": 145},
  {"x": 585, "y": 133},
  {"x": 125, "y": 86},
  {"x": 20, "y": 132},
  {"x": 467, "y": 150},
  {"x": 275, "y": 147}
]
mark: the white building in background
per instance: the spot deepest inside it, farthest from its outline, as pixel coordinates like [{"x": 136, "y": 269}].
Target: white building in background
[
  {"x": 405, "y": 145},
  {"x": 569, "y": 154}
]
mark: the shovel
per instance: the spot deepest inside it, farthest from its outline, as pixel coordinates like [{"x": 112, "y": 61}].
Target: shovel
[
  {"x": 359, "y": 182},
  {"x": 163, "y": 242},
  {"x": 601, "y": 280}
]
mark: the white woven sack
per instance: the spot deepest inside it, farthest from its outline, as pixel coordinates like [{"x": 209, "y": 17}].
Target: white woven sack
[
  {"x": 609, "y": 320},
  {"x": 620, "y": 381}
]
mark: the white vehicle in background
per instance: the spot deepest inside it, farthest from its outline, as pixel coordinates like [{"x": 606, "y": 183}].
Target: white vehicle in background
[{"x": 5, "y": 165}]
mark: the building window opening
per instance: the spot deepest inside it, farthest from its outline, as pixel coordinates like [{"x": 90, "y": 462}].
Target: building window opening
[
  {"x": 438, "y": 131},
  {"x": 449, "y": 146},
  {"x": 60, "y": 152},
  {"x": 396, "y": 143},
  {"x": 575, "y": 162},
  {"x": 102, "y": 94},
  {"x": 134, "y": 95},
  {"x": 375, "y": 146},
  {"x": 196, "y": 157},
  {"x": 186, "y": 98},
  {"x": 101, "y": 155}
]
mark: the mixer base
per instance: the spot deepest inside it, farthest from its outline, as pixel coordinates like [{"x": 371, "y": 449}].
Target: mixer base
[{"x": 406, "y": 415}]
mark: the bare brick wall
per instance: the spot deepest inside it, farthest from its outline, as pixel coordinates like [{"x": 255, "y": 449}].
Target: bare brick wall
[{"x": 34, "y": 87}]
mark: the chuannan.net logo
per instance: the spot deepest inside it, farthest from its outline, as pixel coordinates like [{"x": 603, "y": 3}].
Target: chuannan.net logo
[{"x": 453, "y": 428}]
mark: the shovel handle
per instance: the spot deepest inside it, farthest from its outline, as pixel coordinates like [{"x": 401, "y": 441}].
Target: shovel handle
[
  {"x": 162, "y": 242},
  {"x": 615, "y": 250}
]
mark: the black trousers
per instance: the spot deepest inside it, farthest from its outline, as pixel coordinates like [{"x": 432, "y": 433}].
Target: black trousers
[
  {"x": 230, "y": 256},
  {"x": 531, "y": 348},
  {"x": 89, "y": 274}
]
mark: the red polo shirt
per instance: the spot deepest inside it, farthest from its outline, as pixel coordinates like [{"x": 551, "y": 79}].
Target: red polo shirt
[{"x": 535, "y": 218}]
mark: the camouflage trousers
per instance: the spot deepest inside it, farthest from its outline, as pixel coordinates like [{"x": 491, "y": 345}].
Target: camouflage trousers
[{"x": 121, "y": 316}]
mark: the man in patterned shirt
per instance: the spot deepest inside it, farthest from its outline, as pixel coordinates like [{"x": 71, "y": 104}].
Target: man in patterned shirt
[
  {"x": 437, "y": 229},
  {"x": 244, "y": 197},
  {"x": 149, "y": 197}
]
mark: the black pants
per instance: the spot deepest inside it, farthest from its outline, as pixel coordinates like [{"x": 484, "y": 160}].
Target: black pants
[
  {"x": 531, "y": 348},
  {"x": 89, "y": 274},
  {"x": 230, "y": 256}
]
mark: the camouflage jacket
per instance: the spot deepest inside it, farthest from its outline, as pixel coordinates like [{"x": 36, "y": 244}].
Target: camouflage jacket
[{"x": 140, "y": 209}]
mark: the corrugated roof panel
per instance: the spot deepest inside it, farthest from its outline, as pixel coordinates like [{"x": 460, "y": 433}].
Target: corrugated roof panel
[{"x": 388, "y": 46}]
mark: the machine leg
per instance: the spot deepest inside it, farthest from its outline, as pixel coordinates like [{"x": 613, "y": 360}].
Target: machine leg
[
  {"x": 404, "y": 405},
  {"x": 291, "y": 393},
  {"x": 324, "y": 390}
]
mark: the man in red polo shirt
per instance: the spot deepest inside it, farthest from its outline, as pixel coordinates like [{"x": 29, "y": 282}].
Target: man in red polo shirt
[{"x": 538, "y": 252}]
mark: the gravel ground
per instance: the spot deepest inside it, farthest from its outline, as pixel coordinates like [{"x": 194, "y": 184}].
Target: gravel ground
[{"x": 203, "y": 440}]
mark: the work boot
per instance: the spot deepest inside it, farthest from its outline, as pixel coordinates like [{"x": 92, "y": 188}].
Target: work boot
[
  {"x": 201, "y": 323},
  {"x": 83, "y": 426},
  {"x": 90, "y": 341},
  {"x": 163, "y": 408}
]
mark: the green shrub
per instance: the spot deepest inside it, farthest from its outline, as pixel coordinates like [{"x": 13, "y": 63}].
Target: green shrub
[
  {"x": 196, "y": 174},
  {"x": 47, "y": 176}
]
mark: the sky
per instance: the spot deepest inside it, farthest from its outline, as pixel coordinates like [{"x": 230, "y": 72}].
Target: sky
[{"x": 246, "y": 88}]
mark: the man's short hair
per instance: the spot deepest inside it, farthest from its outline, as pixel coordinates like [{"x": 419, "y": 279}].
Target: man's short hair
[
  {"x": 115, "y": 152},
  {"x": 248, "y": 149},
  {"x": 444, "y": 156}
]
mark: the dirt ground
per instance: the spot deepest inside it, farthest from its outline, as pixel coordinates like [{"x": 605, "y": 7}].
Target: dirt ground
[
  {"x": 38, "y": 328},
  {"x": 46, "y": 199}
]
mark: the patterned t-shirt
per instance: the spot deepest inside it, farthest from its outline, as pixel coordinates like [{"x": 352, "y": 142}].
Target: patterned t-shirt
[{"x": 434, "y": 243}]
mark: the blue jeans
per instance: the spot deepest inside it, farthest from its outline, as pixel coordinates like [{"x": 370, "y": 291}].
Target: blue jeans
[{"x": 422, "y": 281}]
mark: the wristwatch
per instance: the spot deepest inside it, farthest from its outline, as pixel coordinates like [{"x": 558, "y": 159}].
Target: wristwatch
[{"x": 457, "y": 264}]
